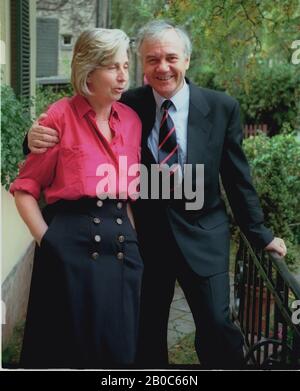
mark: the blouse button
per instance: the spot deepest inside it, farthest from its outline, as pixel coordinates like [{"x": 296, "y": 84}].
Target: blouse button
[
  {"x": 99, "y": 203},
  {"x": 95, "y": 255},
  {"x": 121, "y": 238},
  {"x": 119, "y": 221},
  {"x": 97, "y": 238},
  {"x": 120, "y": 256},
  {"x": 119, "y": 205},
  {"x": 96, "y": 220}
]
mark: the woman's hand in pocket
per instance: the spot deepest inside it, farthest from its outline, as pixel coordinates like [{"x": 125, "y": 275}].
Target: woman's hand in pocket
[
  {"x": 39, "y": 236},
  {"x": 31, "y": 214}
]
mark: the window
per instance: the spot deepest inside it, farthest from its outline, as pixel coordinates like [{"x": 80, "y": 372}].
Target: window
[
  {"x": 66, "y": 41},
  {"x": 47, "y": 46}
]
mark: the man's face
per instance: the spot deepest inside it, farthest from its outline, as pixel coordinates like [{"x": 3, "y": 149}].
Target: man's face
[{"x": 165, "y": 63}]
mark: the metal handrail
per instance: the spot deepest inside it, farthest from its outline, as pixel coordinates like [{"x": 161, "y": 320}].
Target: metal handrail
[
  {"x": 264, "y": 287},
  {"x": 282, "y": 268}
]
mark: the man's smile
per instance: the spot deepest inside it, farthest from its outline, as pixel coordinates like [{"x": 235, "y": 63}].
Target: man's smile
[{"x": 164, "y": 78}]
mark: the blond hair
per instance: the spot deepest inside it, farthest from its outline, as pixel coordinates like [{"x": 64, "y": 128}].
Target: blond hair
[{"x": 93, "y": 48}]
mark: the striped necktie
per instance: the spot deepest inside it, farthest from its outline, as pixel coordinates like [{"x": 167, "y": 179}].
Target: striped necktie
[{"x": 168, "y": 147}]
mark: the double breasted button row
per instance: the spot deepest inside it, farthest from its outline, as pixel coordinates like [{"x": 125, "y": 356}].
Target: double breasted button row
[
  {"x": 97, "y": 238},
  {"x": 100, "y": 204},
  {"x": 120, "y": 255}
]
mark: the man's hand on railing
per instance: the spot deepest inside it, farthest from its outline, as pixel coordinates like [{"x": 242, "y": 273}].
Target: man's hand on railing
[
  {"x": 277, "y": 246},
  {"x": 40, "y": 137}
]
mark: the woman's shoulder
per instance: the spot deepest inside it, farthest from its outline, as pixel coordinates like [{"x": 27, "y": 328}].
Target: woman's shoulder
[
  {"x": 56, "y": 114},
  {"x": 59, "y": 107}
]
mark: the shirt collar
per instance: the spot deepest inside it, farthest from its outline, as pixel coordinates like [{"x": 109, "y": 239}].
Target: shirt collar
[
  {"x": 179, "y": 100},
  {"x": 82, "y": 106},
  {"x": 114, "y": 111}
]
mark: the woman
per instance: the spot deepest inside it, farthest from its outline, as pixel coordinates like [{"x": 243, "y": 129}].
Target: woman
[{"x": 84, "y": 296}]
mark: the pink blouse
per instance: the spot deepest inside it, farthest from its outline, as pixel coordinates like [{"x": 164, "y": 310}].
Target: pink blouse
[{"x": 84, "y": 163}]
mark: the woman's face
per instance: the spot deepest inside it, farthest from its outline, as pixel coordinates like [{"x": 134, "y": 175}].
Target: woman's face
[{"x": 107, "y": 83}]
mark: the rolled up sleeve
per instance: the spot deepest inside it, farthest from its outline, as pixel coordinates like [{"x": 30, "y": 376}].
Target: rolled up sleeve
[
  {"x": 38, "y": 170},
  {"x": 28, "y": 185}
]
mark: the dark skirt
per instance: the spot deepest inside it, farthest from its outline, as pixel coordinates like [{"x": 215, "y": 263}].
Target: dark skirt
[{"x": 85, "y": 290}]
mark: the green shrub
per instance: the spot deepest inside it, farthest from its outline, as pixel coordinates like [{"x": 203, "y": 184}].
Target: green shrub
[
  {"x": 275, "y": 164},
  {"x": 270, "y": 96},
  {"x": 15, "y": 121},
  {"x": 266, "y": 95},
  {"x": 207, "y": 78},
  {"x": 47, "y": 95},
  {"x": 11, "y": 353}
]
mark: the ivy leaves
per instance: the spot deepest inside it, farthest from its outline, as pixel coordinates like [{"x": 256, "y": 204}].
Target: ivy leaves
[{"x": 15, "y": 121}]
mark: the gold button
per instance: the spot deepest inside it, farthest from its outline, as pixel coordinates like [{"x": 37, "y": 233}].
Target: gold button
[
  {"x": 95, "y": 255},
  {"x": 97, "y": 220},
  {"x": 121, "y": 238},
  {"x": 119, "y": 221},
  {"x": 120, "y": 256},
  {"x": 97, "y": 238},
  {"x": 99, "y": 203},
  {"x": 119, "y": 205}
]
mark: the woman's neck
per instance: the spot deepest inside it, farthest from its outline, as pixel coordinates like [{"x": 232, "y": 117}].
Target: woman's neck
[{"x": 102, "y": 111}]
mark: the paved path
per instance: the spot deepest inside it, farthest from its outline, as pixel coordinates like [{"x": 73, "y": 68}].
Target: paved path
[{"x": 181, "y": 320}]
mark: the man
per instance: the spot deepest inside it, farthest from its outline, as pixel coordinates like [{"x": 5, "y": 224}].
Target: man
[{"x": 199, "y": 126}]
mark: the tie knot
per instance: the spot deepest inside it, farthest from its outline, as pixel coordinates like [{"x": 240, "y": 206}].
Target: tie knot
[{"x": 167, "y": 104}]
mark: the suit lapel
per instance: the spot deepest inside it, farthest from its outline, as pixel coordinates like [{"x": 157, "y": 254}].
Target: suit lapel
[
  {"x": 148, "y": 112},
  {"x": 199, "y": 126}
]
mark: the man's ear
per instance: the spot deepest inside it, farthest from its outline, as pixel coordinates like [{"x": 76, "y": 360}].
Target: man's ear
[{"x": 187, "y": 61}]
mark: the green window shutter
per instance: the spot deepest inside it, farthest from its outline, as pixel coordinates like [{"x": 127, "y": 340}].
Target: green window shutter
[
  {"x": 47, "y": 47},
  {"x": 20, "y": 47}
]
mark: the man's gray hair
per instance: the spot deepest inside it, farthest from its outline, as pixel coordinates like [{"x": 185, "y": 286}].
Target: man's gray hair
[{"x": 153, "y": 31}]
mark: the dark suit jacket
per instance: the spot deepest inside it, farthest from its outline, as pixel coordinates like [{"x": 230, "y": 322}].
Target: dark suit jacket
[{"x": 214, "y": 139}]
